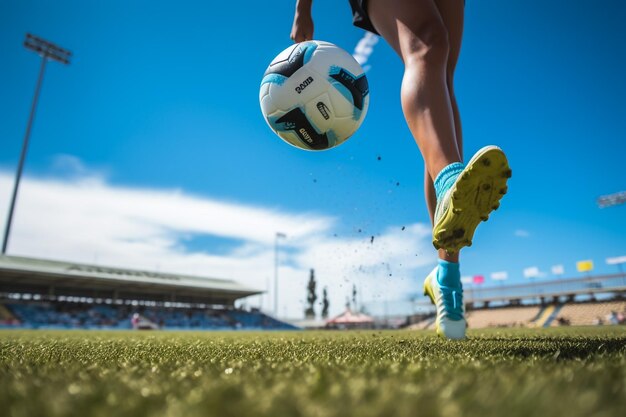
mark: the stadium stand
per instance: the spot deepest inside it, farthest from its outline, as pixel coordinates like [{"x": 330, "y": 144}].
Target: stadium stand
[
  {"x": 491, "y": 317},
  {"x": 576, "y": 314},
  {"x": 47, "y": 315},
  {"x": 541, "y": 303},
  {"x": 586, "y": 314},
  {"x": 36, "y": 293},
  {"x": 502, "y": 317}
]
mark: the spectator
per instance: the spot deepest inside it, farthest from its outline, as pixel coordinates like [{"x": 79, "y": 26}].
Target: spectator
[
  {"x": 134, "y": 321},
  {"x": 611, "y": 318}
]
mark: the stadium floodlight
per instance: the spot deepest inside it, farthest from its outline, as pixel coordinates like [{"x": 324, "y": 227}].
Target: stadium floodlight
[
  {"x": 47, "y": 51},
  {"x": 612, "y": 199},
  {"x": 278, "y": 236}
]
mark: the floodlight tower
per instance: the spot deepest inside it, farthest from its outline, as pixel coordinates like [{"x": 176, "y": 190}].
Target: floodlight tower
[
  {"x": 47, "y": 51},
  {"x": 279, "y": 235}
]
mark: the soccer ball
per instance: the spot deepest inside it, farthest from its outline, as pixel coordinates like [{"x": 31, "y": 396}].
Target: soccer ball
[{"x": 314, "y": 95}]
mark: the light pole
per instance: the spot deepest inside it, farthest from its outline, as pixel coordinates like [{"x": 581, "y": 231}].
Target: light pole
[
  {"x": 47, "y": 51},
  {"x": 278, "y": 236}
]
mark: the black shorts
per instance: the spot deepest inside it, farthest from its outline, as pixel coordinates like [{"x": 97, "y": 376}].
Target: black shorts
[{"x": 360, "y": 18}]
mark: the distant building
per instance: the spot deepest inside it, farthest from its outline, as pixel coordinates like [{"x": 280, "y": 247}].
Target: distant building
[{"x": 351, "y": 320}]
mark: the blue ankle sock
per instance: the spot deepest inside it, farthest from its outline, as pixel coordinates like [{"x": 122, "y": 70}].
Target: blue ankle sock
[
  {"x": 445, "y": 179},
  {"x": 449, "y": 273}
]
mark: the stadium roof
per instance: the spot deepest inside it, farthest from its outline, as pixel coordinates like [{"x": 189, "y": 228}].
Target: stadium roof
[{"x": 20, "y": 274}]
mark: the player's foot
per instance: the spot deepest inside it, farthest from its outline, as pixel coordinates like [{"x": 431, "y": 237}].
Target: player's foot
[
  {"x": 473, "y": 194},
  {"x": 450, "y": 322}
]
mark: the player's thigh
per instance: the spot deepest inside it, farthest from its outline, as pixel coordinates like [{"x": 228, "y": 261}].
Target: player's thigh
[{"x": 411, "y": 28}]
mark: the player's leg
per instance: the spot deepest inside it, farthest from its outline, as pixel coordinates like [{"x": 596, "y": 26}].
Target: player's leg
[
  {"x": 452, "y": 14},
  {"x": 416, "y": 31}
]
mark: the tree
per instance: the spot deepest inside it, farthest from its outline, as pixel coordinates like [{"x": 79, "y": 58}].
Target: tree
[
  {"x": 325, "y": 304},
  {"x": 311, "y": 297}
]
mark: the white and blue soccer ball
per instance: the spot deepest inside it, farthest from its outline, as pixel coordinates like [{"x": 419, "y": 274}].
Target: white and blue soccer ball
[{"x": 314, "y": 95}]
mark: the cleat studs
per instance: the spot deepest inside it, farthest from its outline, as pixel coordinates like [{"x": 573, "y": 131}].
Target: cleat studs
[
  {"x": 503, "y": 190},
  {"x": 457, "y": 233},
  {"x": 484, "y": 218},
  {"x": 495, "y": 206},
  {"x": 486, "y": 187},
  {"x": 507, "y": 173},
  {"x": 486, "y": 162}
]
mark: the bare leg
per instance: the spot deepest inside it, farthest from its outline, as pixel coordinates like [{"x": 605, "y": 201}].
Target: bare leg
[
  {"x": 416, "y": 30},
  {"x": 452, "y": 13},
  {"x": 428, "y": 40}
]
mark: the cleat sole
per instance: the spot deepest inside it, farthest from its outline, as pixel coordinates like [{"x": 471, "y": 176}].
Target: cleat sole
[{"x": 478, "y": 193}]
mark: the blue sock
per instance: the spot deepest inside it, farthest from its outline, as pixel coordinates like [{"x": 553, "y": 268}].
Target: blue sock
[
  {"x": 446, "y": 178},
  {"x": 449, "y": 274}
]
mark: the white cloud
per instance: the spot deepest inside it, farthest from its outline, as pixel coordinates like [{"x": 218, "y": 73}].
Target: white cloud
[
  {"x": 364, "y": 49},
  {"x": 82, "y": 218},
  {"x": 64, "y": 165},
  {"x": 522, "y": 233}
]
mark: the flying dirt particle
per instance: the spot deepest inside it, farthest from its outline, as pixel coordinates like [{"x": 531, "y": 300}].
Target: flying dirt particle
[
  {"x": 359, "y": 230},
  {"x": 372, "y": 239},
  {"x": 397, "y": 184},
  {"x": 314, "y": 180},
  {"x": 390, "y": 274},
  {"x": 403, "y": 227},
  {"x": 379, "y": 158}
]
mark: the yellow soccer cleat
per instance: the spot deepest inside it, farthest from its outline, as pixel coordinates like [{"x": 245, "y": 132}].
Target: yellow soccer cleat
[{"x": 475, "y": 193}]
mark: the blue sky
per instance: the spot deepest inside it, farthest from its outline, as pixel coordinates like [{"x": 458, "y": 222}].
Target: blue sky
[{"x": 162, "y": 97}]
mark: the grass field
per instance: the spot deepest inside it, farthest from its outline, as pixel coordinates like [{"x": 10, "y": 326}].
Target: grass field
[{"x": 563, "y": 371}]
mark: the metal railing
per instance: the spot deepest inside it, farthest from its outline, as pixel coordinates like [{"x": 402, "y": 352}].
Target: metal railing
[{"x": 525, "y": 293}]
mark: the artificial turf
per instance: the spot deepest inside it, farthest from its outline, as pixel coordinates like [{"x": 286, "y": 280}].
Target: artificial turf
[{"x": 509, "y": 372}]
